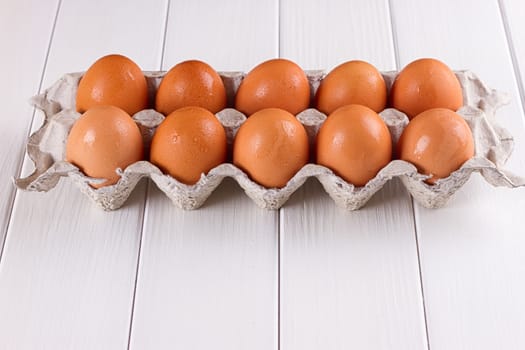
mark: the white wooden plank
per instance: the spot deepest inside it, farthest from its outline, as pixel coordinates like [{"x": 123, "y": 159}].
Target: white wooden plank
[
  {"x": 472, "y": 251},
  {"x": 92, "y": 29},
  {"x": 208, "y": 278},
  {"x": 512, "y": 12},
  {"x": 231, "y": 36},
  {"x": 349, "y": 280},
  {"x": 321, "y": 37},
  {"x": 68, "y": 268},
  {"x": 21, "y": 67}
]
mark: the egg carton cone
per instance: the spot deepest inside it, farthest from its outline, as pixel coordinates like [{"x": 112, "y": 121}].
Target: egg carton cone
[{"x": 46, "y": 148}]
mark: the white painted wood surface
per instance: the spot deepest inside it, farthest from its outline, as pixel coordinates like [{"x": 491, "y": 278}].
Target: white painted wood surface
[
  {"x": 335, "y": 265},
  {"x": 473, "y": 251},
  {"x": 230, "y": 275},
  {"x": 68, "y": 269},
  {"x": 208, "y": 278},
  {"x": 21, "y": 70}
]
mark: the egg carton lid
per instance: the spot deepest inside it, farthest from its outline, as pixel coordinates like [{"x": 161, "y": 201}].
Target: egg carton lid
[{"x": 46, "y": 148}]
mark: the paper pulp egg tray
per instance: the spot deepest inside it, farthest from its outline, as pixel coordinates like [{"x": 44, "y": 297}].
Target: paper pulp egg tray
[{"x": 46, "y": 147}]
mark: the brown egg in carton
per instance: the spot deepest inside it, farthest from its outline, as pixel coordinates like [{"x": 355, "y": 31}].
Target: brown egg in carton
[{"x": 46, "y": 147}]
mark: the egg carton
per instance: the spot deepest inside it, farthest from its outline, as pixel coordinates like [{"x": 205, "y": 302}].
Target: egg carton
[{"x": 46, "y": 147}]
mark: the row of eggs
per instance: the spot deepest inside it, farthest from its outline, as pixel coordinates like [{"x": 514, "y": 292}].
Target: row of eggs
[
  {"x": 272, "y": 145},
  {"x": 279, "y": 83}
]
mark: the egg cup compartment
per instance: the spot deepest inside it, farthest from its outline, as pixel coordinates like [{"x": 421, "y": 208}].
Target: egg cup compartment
[{"x": 46, "y": 147}]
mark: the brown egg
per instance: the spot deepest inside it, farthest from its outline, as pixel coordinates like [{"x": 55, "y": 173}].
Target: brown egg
[
  {"x": 189, "y": 142},
  {"x": 271, "y": 147},
  {"x": 113, "y": 80},
  {"x": 355, "y": 143},
  {"x": 102, "y": 140},
  {"x": 191, "y": 83},
  {"x": 424, "y": 84},
  {"x": 353, "y": 82},
  {"x": 277, "y": 83},
  {"x": 437, "y": 142}
]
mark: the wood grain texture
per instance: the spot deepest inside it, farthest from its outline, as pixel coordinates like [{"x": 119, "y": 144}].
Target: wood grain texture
[
  {"x": 211, "y": 278},
  {"x": 231, "y": 36},
  {"x": 68, "y": 283},
  {"x": 320, "y": 37},
  {"x": 68, "y": 269},
  {"x": 349, "y": 280},
  {"x": 472, "y": 251},
  {"x": 21, "y": 71},
  {"x": 208, "y": 278}
]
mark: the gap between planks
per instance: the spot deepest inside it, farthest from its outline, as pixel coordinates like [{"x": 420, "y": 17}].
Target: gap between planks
[
  {"x": 512, "y": 52},
  {"x": 279, "y": 228},
  {"x": 30, "y": 127},
  {"x": 412, "y": 201},
  {"x": 146, "y": 195}
]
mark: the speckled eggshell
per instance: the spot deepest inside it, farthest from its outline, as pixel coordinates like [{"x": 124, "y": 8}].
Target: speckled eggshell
[
  {"x": 437, "y": 142},
  {"x": 355, "y": 143},
  {"x": 102, "y": 140},
  {"x": 277, "y": 83},
  {"x": 191, "y": 83},
  {"x": 425, "y": 84},
  {"x": 353, "y": 82},
  {"x": 188, "y": 143},
  {"x": 113, "y": 80},
  {"x": 271, "y": 147}
]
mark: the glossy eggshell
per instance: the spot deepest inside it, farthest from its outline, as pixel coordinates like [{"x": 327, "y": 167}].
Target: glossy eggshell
[
  {"x": 188, "y": 143},
  {"x": 354, "y": 142},
  {"x": 425, "y": 84},
  {"x": 102, "y": 140},
  {"x": 437, "y": 142},
  {"x": 353, "y": 82},
  {"x": 271, "y": 147},
  {"x": 277, "y": 83},
  {"x": 191, "y": 83},
  {"x": 113, "y": 80}
]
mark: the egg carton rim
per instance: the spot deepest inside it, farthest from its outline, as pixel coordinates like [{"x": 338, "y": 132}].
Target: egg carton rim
[{"x": 486, "y": 101}]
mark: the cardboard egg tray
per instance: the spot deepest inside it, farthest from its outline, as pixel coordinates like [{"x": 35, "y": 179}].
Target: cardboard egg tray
[{"x": 46, "y": 147}]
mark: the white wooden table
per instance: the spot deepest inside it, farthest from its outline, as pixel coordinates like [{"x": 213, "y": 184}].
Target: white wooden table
[{"x": 230, "y": 275}]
